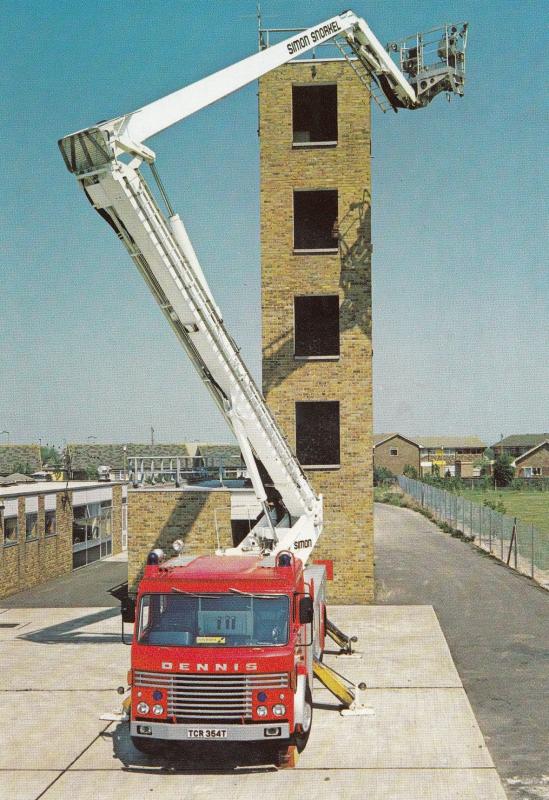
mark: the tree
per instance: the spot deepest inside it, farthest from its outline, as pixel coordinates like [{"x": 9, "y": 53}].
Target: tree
[
  {"x": 50, "y": 455},
  {"x": 503, "y": 471}
]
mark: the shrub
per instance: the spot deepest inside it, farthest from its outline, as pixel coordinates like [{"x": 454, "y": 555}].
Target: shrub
[
  {"x": 383, "y": 476},
  {"x": 496, "y": 505},
  {"x": 410, "y": 472}
]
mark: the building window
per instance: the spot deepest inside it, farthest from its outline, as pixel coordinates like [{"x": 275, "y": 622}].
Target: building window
[
  {"x": 317, "y": 434},
  {"x": 393, "y": 451},
  {"x": 50, "y": 523},
  {"x": 91, "y": 533},
  {"x": 10, "y": 530},
  {"x": 31, "y": 526},
  {"x": 315, "y": 221},
  {"x": 314, "y": 114},
  {"x": 316, "y": 326}
]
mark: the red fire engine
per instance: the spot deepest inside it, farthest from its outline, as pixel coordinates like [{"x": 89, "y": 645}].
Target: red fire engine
[{"x": 225, "y": 646}]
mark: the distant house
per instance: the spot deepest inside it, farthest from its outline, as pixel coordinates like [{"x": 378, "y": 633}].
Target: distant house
[
  {"x": 23, "y": 458},
  {"x": 121, "y": 459},
  {"x": 518, "y": 443},
  {"x": 453, "y": 455},
  {"x": 393, "y": 451},
  {"x": 534, "y": 463}
]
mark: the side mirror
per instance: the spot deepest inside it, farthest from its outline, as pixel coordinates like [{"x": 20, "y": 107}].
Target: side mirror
[
  {"x": 127, "y": 609},
  {"x": 306, "y": 610}
]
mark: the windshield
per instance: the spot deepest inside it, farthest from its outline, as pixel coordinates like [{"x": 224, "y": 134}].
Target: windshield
[{"x": 221, "y": 620}]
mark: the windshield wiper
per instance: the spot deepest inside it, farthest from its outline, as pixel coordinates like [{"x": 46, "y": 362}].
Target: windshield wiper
[{"x": 252, "y": 594}]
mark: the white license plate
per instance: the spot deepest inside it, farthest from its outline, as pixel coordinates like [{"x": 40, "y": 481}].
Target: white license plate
[{"x": 206, "y": 733}]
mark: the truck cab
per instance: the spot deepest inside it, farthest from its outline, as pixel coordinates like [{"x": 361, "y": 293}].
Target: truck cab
[{"x": 223, "y": 648}]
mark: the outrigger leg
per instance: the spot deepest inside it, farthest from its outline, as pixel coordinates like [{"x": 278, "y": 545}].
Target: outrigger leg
[
  {"x": 351, "y": 695},
  {"x": 344, "y": 642}
]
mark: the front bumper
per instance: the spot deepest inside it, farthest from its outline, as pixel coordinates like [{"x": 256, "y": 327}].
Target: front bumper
[{"x": 262, "y": 732}]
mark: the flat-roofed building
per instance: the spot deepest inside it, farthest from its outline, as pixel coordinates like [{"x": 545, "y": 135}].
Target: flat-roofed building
[{"x": 49, "y": 528}]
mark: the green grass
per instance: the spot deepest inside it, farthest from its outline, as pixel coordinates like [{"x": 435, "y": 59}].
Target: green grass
[{"x": 530, "y": 507}]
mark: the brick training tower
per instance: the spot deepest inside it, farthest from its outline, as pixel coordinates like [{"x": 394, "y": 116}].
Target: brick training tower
[{"x": 314, "y": 124}]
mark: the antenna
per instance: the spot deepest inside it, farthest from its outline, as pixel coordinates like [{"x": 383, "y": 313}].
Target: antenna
[{"x": 261, "y": 44}]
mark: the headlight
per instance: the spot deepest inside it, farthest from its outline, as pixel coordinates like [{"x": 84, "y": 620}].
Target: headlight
[
  {"x": 261, "y": 711},
  {"x": 142, "y": 708},
  {"x": 279, "y": 710},
  {"x": 158, "y": 710}
]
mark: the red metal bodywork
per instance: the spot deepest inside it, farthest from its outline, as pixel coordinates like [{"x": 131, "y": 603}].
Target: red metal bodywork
[{"x": 219, "y": 574}]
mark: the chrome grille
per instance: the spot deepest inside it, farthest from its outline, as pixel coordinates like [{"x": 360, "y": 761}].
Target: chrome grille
[{"x": 228, "y": 697}]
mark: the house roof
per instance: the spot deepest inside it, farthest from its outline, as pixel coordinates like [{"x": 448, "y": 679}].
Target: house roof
[
  {"x": 451, "y": 442},
  {"x": 14, "y": 478},
  {"x": 531, "y": 451},
  {"x": 19, "y": 458},
  {"x": 522, "y": 440},
  {"x": 84, "y": 456},
  {"x": 380, "y": 438},
  {"x": 433, "y": 442},
  {"x": 229, "y": 454}
]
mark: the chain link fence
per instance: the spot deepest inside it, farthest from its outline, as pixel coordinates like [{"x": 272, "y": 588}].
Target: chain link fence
[{"x": 521, "y": 545}]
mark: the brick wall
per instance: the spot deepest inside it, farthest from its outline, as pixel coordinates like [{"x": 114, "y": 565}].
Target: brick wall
[
  {"x": 348, "y": 532},
  {"x": 407, "y": 453},
  {"x": 156, "y": 517}
]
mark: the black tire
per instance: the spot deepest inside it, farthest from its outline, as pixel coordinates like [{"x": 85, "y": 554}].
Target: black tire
[
  {"x": 150, "y": 747},
  {"x": 301, "y": 737}
]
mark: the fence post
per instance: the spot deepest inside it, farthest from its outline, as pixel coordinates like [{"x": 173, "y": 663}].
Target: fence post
[
  {"x": 490, "y": 535},
  {"x": 501, "y": 536},
  {"x": 480, "y": 524},
  {"x": 471, "y": 520},
  {"x": 532, "y": 551}
]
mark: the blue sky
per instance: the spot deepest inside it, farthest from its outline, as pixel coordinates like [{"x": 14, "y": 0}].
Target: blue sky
[{"x": 461, "y": 283}]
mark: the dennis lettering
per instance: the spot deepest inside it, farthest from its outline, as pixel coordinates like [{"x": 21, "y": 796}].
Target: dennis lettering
[{"x": 249, "y": 666}]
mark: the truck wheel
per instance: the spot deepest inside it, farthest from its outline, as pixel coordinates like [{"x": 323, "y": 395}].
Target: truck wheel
[
  {"x": 148, "y": 746},
  {"x": 302, "y": 737}
]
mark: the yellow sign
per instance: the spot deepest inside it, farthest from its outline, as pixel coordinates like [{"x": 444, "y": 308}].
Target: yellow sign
[{"x": 210, "y": 640}]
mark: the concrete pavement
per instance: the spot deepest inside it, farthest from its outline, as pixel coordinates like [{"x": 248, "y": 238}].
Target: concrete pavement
[
  {"x": 496, "y": 623},
  {"x": 59, "y": 669},
  {"x": 87, "y": 586}
]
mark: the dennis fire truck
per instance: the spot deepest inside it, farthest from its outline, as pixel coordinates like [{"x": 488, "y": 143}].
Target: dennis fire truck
[{"x": 225, "y": 646}]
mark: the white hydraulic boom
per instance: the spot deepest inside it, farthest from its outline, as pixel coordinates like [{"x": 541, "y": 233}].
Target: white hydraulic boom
[{"x": 163, "y": 253}]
